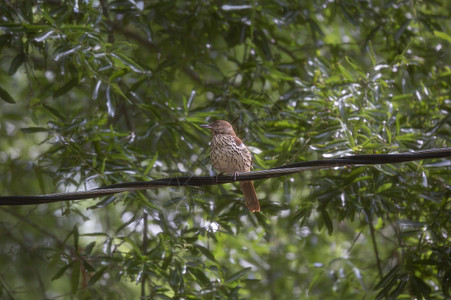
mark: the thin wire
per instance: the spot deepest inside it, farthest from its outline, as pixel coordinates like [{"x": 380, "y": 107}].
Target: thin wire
[{"x": 354, "y": 160}]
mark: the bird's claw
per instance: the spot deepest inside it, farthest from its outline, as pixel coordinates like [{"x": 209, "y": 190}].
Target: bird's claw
[{"x": 217, "y": 176}]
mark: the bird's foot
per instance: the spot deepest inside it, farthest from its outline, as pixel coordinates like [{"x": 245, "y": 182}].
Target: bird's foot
[{"x": 217, "y": 176}]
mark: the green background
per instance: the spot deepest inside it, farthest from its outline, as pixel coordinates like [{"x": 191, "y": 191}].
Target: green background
[{"x": 102, "y": 92}]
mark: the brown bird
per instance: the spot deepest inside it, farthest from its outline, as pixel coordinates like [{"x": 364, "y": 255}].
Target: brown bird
[{"x": 228, "y": 154}]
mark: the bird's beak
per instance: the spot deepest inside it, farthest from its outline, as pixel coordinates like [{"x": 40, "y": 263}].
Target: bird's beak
[{"x": 206, "y": 126}]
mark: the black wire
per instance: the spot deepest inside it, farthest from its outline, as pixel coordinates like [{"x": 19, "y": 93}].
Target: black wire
[{"x": 365, "y": 159}]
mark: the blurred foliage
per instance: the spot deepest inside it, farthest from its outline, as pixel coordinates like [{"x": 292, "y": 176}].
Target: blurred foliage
[{"x": 101, "y": 92}]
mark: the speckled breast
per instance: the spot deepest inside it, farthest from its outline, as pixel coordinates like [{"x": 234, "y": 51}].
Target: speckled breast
[{"x": 228, "y": 157}]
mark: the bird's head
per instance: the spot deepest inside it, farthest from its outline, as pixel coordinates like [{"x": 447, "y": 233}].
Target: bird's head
[{"x": 220, "y": 127}]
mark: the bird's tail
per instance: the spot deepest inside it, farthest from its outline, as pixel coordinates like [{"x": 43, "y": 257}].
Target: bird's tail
[{"x": 250, "y": 196}]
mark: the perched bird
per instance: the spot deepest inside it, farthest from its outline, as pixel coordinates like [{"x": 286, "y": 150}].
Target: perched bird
[{"x": 228, "y": 154}]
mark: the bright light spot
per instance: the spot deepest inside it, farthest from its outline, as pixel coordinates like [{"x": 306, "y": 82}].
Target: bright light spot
[
  {"x": 255, "y": 149},
  {"x": 154, "y": 229},
  {"x": 210, "y": 95},
  {"x": 49, "y": 75},
  {"x": 235, "y": 7},
  {"x": 418, "y": 95},
  {"x": 346, "y": 39},
  {"x": 304, "y": 231},
  {"x": 126, "y": 216},
  {"x": 381, "y": 66},
  {"x": 212, "y": 227},
  {"x": 76, "y": 9},
  {"x": 181, "y": 167}
]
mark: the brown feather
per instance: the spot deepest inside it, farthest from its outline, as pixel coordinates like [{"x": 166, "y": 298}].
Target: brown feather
[
  {"x": 250, "y": 196},
  {"x": 228, "y": 154}
]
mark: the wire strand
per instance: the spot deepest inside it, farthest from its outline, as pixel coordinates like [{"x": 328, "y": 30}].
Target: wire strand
[{"x": 346, "y": 161}]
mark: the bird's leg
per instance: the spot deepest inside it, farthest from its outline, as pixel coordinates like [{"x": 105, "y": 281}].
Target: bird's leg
[
  {"x": 217, "y": 176},
  {"x": 235, "y": 174}
]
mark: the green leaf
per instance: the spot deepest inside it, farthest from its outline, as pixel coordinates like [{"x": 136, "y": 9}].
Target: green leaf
[
  {"x": 125, "y": 224},
  {"x": 234, "y": 277},
  {"x": 402, "y": 97},
  {"x": 384, "y": 187},
  {"x": 34, "y": 129},
  {"x": 97, "y": 275},
  {"x": 420, "y": 288},
  {"x": 389, "y": 277},
  {"x": 207, "y": 253},
  {"x": 6, "y": 96},
  {"x": 18, "y": 60},
  {"x": 174, "y": 278},
  {"x": 65, "y": 88},
  {"x": 89, "y": 247},
  {"x": 61, "y": 271},
  {"x": 172, "y": 200},
  {"x": 75, "y": 232},
  {"x": 135, "y": 247},
  {"x": 117, "y": 74},
  {"x": 327, "y": 221},
  {"x": 75, "y": 278},
  {"x": 151, "y": 164},
  {"x": 442, "y": 35},
  {"x": 127, "y": 61},
  {"x": 407, "y": 137},
  {"x": 118, "y": 90},
  {"x": 201, "y": 278},
  {"x": 260, "y": 162},
  {"x": 54, "y": 112},
  {"x": 88, "y": 267},
  {"x": 347, "y": 75},
  {"x": 39, "y": 176}
]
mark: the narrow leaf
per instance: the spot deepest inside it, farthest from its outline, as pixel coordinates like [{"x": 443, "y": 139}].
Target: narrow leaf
[
  {"x": 34, "y": 129},
  {"x": 327, "y": 221},
  {"x": 61, "y": 271},
  {"x": 65, "y": 88},
  {"x": 76, "y": 235},
  {"x": 97, "y": 276},
  {"x": 151, "y": 164},
  {"x": 206, "y": 252},
  {"x": 442, "y": 35},
  {"x": 384, "y": 187},
  {"x": 6, "y": 96},
  {"x": 387, "y": 278},
  {"x": 54, "y": 112},
  {"x": 89, "y": 247},
  {"x": 200, "y": 276},
  {"x": 75, "y": 279},
  {"x": 18, "y": 60},
  {"x": 237, "y": 275}
]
